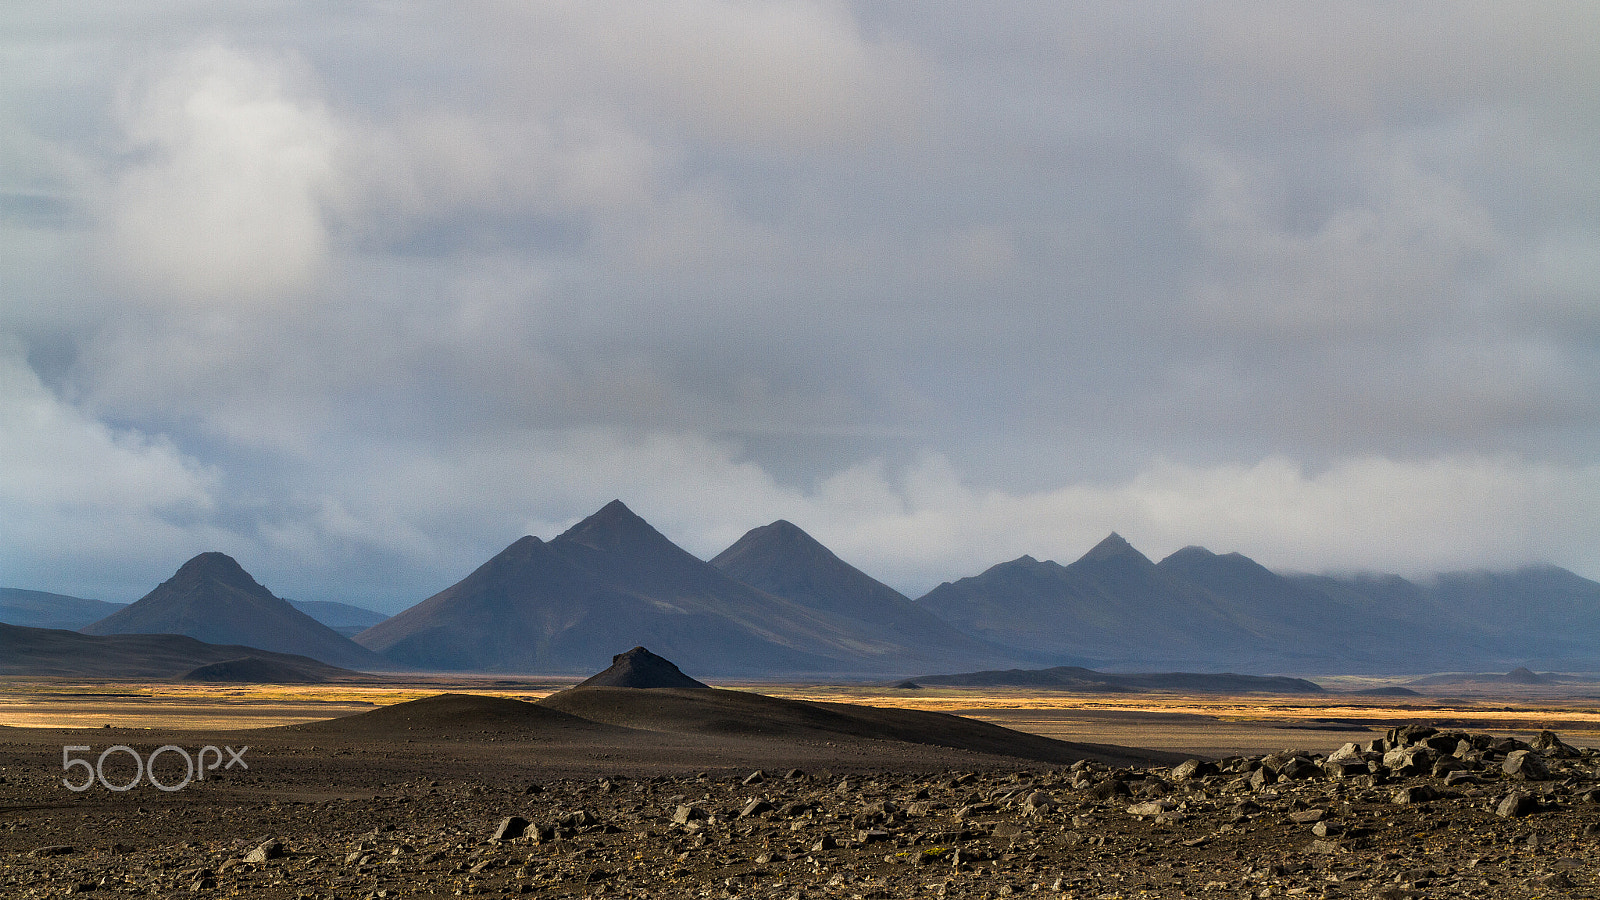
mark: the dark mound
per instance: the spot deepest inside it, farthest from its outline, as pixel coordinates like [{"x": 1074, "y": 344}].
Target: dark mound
[
  {"x": 1076, "y": 678},
  {"x": 253, "y": 669},
  {"x": 1394, "y": 691},
  {"x": 51, "y": 652},
  {"x": 1519, "y": 675},
  {"x": 639, "y": 668},
  {"x": 736, "y": 714},
  {"x": 452, "y": 715},
  {"x": 907, "y": 685}
]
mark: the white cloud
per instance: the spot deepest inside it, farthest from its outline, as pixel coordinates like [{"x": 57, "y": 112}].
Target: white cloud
[
  {"x": 1400, "y": 252},
  {"x": 779, "y": 74},
  {"x": 73, "y": 489},
  {"x": 1375, "y": 58},
  {"x": 226, "y": 193},
  {"x": 917, "y": 525}
]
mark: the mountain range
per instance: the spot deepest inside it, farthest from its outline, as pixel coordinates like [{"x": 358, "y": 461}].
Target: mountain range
[
  {"x": 1115, "y": 608},
  {"x": 778, "y": 602},
  {"x": 613, "y": 580}
]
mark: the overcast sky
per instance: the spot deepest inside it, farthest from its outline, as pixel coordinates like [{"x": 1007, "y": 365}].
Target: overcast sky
[{"x": 360, "y": 293}]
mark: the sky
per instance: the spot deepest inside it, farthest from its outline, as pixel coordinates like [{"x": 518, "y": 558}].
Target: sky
[{"x": 361, "y": 293}]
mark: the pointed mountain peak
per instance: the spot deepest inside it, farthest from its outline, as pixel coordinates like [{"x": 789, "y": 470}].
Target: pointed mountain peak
[
  {"x": 780, "y": 535},
  {"x": 522, "y": 546},
  {"x": 520, "y": 552},
  {"x": 1191, "y": 554},
  {"x": 783, "y": 528},
  {"x": 219, "y": 567},
  {"x": 639, "y": 668},
  {"x": 615, "y": 527},
  {"x": 1114, "y": 548}
]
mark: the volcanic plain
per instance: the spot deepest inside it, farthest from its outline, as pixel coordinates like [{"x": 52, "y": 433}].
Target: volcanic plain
[{"x": 494, "y": 786}]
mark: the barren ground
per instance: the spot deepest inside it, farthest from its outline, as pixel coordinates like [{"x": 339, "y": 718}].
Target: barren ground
[{"x": 394, "y": 816}]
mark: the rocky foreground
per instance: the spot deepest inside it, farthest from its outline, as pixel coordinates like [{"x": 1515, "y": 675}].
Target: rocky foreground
[{"x": 1418, "y": 813}]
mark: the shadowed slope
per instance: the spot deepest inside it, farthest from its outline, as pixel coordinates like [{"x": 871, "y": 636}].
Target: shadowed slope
[
  {"x": 1113, "y": 603},
  {"x": 459, "y": 715},
  {"x": 783, "y": 560},
  {"x": 737, "y": 714}
]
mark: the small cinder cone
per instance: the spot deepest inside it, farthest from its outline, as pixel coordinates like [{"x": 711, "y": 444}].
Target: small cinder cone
[{"x": 639, "y": 668}]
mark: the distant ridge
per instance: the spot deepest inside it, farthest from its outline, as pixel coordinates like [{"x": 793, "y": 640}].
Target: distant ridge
[
  {"x": 41, "y": 609},
  {"x": 254, "y": 670},
  {"x": 213, "y": 599},
  {"x": 57, "y": 652},
  {"x": 1075, "y": 678},
  {"x": 344, "y": 618},
  {"x": 1113, "y": 603},
  {"x": 639, "y": 668}
]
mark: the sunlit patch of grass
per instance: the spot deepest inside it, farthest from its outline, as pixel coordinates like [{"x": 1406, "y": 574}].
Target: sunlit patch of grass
[{"x": 1100, "y": 717}]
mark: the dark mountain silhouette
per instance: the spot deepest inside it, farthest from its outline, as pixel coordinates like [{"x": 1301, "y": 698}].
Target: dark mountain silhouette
[
  {"x": 1076, "y": 678},
  {"x": 344, "y": 618},
  {"x": 639, "y": 668},
  {"x": 610, "y": 580},
  {"x": 40, "y": 609},
  {"x": 55, "y": 652},
  {"x": 783, "y": 560},
  {"x": 1113, "y": 604},
  {"x": 213, "y": 599},
  {"x": 254, "y": 670}
]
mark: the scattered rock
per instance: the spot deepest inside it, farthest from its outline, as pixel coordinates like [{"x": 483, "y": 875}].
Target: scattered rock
[
  {"x": 1525, "y": 765},
  {"x": 1516, "y": 804},
  {"x": 270, "y": 849},
  {"x": 510, "y": 828}
]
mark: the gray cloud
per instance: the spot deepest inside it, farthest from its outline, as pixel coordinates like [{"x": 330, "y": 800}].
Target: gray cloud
[{"x": 362, "y": 295}]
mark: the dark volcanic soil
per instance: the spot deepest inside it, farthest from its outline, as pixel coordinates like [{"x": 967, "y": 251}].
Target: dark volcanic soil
[{"x": 407, "y": 802}]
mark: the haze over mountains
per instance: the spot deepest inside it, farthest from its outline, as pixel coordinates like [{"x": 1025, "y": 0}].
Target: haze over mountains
[
  {"x": 1115, "y": 608},
  {"x": 777, "y": 602},
  {"x": 41, "y": 609}
]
